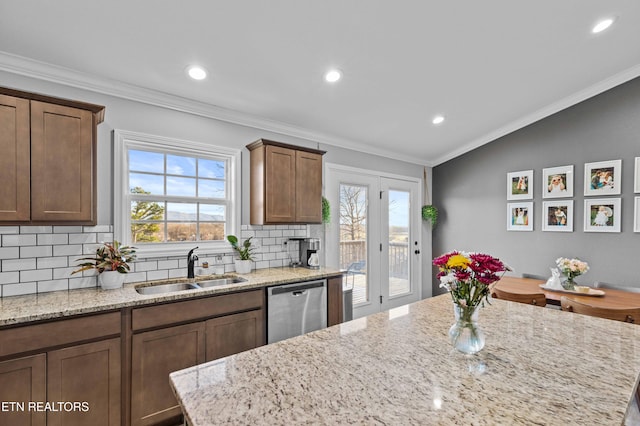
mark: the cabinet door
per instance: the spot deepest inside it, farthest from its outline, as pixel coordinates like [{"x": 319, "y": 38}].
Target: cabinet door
[
  {"x": 15, "y": 159},
  {"x": 280, "y": 185},
  {"x": 63, "y": 168},
  {"x": 308, "y": 187},
  {"x": 22, "y": 381},
  {"x": 86, "y": 373},
  {"x": 235, "y": 333},
  {"x": 334, "y": 301},
  {"x": 155, "y": 354}
]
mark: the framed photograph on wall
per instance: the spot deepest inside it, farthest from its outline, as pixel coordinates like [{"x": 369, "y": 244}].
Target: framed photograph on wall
[
  {"x": 636, "y": 219},
  {"x": 557, "y": 182},
  {"x": 636, "y": 185},
  {"x": 602, "y": 215},
  {"x": 603, "y": 178},
  {"x": 520, "y": 216},
  {"x": 520, "y": 185},
  {"x": 557, "y": 216}
]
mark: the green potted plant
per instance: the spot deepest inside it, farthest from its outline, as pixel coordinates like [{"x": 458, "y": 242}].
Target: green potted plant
[
  {"x": 244, "y": 250},
  {"x": 112, "y": 263}
]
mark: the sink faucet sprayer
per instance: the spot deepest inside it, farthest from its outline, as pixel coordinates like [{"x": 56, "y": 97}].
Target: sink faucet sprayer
[{"x": 191, "y": 260}]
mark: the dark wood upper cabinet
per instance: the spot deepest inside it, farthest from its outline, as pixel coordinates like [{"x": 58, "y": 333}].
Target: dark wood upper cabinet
[
  {"x": 50, "y": 170},
  {"x": 15, "y": 163},
  {"x": 286, "y": 183}
]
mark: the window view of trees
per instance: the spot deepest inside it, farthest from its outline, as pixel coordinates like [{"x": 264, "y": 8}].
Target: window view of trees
[
  {"x": 353, "y": 213},
  {"x": 141, "y": 213},
  {"x": 176, "y": 198}
]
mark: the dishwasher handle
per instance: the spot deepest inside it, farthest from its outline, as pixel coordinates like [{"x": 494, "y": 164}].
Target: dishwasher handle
[{"x": 295, "y": 288}]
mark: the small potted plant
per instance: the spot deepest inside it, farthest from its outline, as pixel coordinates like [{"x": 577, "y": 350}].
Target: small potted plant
[
  {"x": 244, "y": 264},
  {"x": 112, "y": 263}
]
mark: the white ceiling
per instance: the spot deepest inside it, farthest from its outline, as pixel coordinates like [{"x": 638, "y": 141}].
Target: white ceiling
[{"x": 490, "y": 67}]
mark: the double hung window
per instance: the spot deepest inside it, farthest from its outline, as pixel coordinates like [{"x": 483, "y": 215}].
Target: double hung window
[{"x": 171, "y": 194}]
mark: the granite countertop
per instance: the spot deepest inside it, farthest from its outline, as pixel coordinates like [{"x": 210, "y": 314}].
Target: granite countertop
[
  {"x": 539, "y": 366},
  {"x": 59, "y": 304}
]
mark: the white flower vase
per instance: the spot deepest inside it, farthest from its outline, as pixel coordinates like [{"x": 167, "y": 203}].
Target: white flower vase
[
  {"x": 109, "y": 280},
  {"x": 243, "y": 266}
]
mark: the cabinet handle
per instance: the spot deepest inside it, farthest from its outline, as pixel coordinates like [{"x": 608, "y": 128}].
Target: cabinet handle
[{"x": 417, "y": 252}]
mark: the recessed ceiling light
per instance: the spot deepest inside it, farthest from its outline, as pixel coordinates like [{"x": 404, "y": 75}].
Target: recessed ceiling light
[
  {"x": 602, "y": 25},
  {"x": 196, "y": 72},
  {"x": 438, "y": 119},
  {"x": 332, "y": 76}
]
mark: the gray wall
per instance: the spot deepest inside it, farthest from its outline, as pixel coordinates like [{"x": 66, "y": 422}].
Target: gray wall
[
  {"x": 471, "y": 190},
  {"x": 139, "y": 117}
]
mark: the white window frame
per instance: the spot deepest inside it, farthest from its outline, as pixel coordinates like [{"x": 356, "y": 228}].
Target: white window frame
[{"x": 125, "y": 140}]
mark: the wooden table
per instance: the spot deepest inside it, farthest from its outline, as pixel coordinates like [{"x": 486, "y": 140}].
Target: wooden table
[{"x": 611, "y": 299}]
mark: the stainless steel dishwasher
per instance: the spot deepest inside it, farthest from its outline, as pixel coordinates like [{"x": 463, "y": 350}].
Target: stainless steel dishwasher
[{"x": 295, "y": 309}]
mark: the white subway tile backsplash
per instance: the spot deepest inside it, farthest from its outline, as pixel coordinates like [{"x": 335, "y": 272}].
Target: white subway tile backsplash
[
  {"x": 268, "y": 241},
  {"x": 82, "y": 238},
  {"x": 82, "y": 282},
  {"x": 35, "y": 251},
  {"x": 97, "y": 228},
  {"x": 134, "y": 277},
  {"x": 177, "y": 273},
  {"x": 105, "y": 237},
  {"x": 51, "y": 262},
  {"x": 67, "y": 229},
  {"x": 146, "y": 266},
  {"x": 59, "y": 273},
  {"x": 18, "y": 240},
  {"x": 9, "y": 277},
  {"x": 157, "y": 275},
  {"x": 18, "y": 264},
  {"x": 36, "y": 229},
  {"x": 36, "y": 275},
  {"x": 68, "y": 250},
  {"x": 52, "y": 239},
  {"x": 18, "y": 289},
  {"x": 168, "y": 264},
  {"x": 5, "y": 230},
  {"x": 41, "y": 258},
  {"x": 53, "y": 285},
  {"x": 9, "y": 252}
]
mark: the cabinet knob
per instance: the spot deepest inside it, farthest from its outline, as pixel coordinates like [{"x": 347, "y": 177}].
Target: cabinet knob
[{"x": 417, "y": 252}]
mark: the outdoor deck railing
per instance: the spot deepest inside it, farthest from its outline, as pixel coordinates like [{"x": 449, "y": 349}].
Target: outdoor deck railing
[{"x": 354, "y": 252}]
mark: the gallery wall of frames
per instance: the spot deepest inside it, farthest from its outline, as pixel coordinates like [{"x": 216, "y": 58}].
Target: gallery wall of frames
[{"x": 602, "y": 209}]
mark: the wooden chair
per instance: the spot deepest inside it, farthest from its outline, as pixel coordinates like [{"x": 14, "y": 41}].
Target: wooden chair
[
  {"x": 537, "y": 299},
  {"x": 631, "y": 315},
  {"x": 600, "y": 284}
]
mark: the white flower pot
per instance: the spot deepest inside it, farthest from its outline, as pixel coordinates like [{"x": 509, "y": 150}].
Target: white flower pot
[
  {"x": 111, "y": 279},
  {"x": 243, "y": 266}
]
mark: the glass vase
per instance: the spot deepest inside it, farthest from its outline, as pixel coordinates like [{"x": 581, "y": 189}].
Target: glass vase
[
  {"x": 465, "y": 334},
  {"x": 569, "y": 283}
]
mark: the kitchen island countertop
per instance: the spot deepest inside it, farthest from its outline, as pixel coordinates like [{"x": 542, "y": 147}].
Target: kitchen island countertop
[
  {"x": 60, "y": 304},
  {"x": 539, "y": 366}
]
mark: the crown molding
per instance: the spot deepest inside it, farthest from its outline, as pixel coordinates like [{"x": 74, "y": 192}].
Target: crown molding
[
  {"x": 27, "y": 67},
  {"x": 582, "y": 95}
]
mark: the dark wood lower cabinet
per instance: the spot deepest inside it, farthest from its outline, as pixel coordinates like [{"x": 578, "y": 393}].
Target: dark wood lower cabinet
[
  {"x": 85, "y": 373},
  {"x": 23, "y": 380},
  {"x": 155, "y": 354},
  {"x": 335, "y": 307},
  {"x": 235, "y": 333}
]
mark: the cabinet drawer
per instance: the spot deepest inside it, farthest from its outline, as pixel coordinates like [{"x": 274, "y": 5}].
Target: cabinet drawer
[
  {"x": 190, "y": 310},
  {"x": 55, "y": 333}
]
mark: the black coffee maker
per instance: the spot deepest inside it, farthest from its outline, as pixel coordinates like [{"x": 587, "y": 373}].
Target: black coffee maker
[{"x": 309, "y": 248}]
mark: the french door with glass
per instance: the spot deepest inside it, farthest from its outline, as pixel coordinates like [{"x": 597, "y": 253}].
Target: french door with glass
[{"x": 374, "y": 236}]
